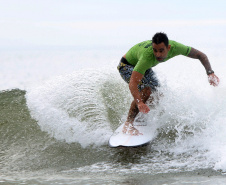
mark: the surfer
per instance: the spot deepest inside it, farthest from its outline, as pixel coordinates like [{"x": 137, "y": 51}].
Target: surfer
[{"x": 135, "y": 68}]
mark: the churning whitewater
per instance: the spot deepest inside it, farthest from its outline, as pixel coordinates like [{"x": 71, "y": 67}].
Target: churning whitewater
[{"x": 85, "y": 107}]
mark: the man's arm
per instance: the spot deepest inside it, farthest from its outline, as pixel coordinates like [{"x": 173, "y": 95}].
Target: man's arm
[
  {"x": 196, "y": 54},
  {"x": 134, "y": 81}
]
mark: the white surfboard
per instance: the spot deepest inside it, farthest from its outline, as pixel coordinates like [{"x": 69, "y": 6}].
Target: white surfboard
[{"x": 119, "y": 138}]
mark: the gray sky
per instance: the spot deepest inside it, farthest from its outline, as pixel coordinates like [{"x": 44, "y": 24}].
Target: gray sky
[{"x": 25, "y": 23}]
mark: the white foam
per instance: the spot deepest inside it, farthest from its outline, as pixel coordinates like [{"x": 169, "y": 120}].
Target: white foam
[
  {"x": 78, "y": 108},
  {"x": 72, "y": 108}
]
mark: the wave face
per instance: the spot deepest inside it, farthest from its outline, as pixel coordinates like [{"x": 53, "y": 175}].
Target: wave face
[{"x": 63, "y": 126}]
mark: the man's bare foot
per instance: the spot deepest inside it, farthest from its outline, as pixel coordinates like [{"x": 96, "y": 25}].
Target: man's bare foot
[{"x": 128, "y": 128}]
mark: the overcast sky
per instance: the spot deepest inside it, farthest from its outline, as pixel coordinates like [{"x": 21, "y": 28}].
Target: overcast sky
[{"x": 28, "y": 23}]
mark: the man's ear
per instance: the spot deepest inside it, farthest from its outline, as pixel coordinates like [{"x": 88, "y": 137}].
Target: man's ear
[{"x": 169, "y": 46}]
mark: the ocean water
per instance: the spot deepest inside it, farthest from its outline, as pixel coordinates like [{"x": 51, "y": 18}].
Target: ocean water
[{"x": 59, "y": 108}]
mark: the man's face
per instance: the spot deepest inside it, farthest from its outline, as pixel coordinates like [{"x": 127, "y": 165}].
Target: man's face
[{"x": 160, "y": 51}]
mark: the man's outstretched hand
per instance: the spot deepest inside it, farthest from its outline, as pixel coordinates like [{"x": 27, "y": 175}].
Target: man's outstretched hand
[{"x": 213, "y": 80}]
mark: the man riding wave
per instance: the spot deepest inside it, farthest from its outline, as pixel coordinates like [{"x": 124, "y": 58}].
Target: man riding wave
[{"x": 136, "y": 65}]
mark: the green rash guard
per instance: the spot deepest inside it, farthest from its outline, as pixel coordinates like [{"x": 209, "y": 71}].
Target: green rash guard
[{"x": 141, "y": 56}]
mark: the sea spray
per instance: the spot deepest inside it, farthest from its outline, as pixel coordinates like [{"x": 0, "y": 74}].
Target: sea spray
[
  {"x": 81, "y": 107},
  {"x": 85, "y": 107}
]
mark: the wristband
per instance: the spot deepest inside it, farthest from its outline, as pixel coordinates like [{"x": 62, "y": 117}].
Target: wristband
[{"x": 209, "y": 72}]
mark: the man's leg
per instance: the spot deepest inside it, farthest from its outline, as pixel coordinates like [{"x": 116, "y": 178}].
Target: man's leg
[{"x": 133, "y": 111}]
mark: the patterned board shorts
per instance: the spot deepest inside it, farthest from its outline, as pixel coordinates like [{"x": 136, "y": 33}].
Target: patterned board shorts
[{"x": 149, "y": 79}]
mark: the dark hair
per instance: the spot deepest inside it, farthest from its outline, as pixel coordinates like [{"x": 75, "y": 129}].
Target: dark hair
[{"x": 159, "y": 38}]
